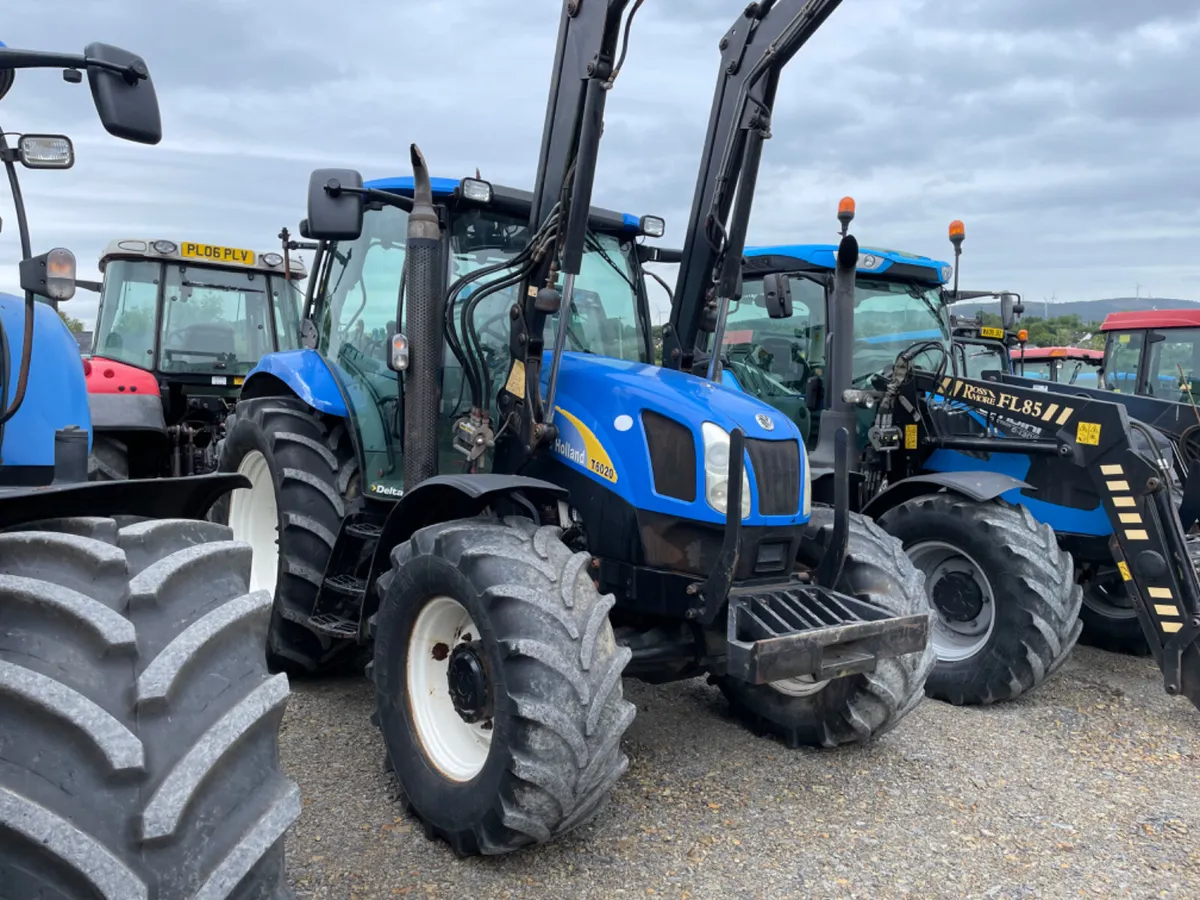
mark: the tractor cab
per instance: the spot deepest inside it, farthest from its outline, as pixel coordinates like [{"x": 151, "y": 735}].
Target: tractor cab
[
  {"x": 180, "y": 325},
  {"x": 1154, "y": 353},
  {"x": 1064, "y": 365},
  {"x": 353, "y": 309},
  {"x": 897, "y": 302}
]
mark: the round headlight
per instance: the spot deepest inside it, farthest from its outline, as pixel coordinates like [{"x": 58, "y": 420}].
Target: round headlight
[
  {"x": 163, "y": 247},
  {"x": 272, "y": 259}
]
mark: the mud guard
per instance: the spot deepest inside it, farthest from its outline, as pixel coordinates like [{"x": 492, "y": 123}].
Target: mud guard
[
  {"x": 304, "y": 373},
  {"x": 153, "y": 498},
  {"x": 978, "y": 486},
  {"x": 445, "y": 497}
]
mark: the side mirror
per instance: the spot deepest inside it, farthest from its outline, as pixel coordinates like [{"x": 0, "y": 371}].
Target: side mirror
[
  {"x": 777, "y": 291},
  {"x": 51, "y": 275},
  {"x": 45, "y": 151},
  {"x": 126, "y": 103},
  {"x": 1006, "y": 311},
  {"x": 335, "y": 211}
]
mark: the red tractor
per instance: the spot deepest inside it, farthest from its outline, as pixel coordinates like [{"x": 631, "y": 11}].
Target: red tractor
[{"x": 179, "y": 327}]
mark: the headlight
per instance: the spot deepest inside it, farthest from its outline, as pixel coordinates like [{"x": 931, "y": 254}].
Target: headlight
[
  {"x": 716, "y": 470},
  {"x": 806, "y": 488}
]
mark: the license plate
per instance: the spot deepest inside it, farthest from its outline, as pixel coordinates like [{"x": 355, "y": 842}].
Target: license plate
[
  {"x": 989, "y": 332},
  {"x": 213, "y": 253}
]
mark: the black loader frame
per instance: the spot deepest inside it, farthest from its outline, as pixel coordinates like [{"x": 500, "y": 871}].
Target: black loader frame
[{"x": 1149, "y": 544}]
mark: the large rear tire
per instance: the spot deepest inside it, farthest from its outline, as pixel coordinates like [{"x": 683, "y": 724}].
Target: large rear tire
[
  {"x": 1004, "y": 593},
  {"x": 860, "y": 707},
  {"x": 138, "y": 722},
  {"x": 109, "y": 459},
  {"x": 304, "y": 473},
  {"x": 498, "y": 684}
]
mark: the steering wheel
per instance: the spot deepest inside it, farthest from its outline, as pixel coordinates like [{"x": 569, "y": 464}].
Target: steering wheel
[{"x": 750, "y": 354}]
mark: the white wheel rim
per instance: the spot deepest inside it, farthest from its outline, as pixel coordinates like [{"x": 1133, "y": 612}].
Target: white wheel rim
[
  {"x": 254, "y": 518},
  {"x": 801, "y": 686},
  {"x": 952, "y": 640},
  {"x": 456, "y": 748}
]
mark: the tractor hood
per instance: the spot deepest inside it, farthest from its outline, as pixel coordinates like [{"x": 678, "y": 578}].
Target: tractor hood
[{"x": 602, "y": 410}]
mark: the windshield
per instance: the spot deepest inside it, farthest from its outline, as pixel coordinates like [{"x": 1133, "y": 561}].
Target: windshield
[
  {"x": 1122, "y": 354},
  {"x": 214, "y": 320},
  {"x": 977, "y": 358},
  {"x": 128, "y": 312},
  {"x": 890, "y": 317},
  {"x": 1173, "y": 367},
  {"x": 777, "y": 355}
]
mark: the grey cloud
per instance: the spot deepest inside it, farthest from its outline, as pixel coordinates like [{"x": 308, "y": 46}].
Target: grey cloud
[{"x": 1062, "y": 132}]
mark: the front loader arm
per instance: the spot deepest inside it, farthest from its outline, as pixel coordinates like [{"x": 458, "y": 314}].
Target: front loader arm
[
  {"x": 753, "y": 53},
  {"x": 1148, "y": 542}
]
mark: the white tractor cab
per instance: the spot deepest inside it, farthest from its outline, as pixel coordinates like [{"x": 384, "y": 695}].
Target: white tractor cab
[{"x": 180, "y": 325}]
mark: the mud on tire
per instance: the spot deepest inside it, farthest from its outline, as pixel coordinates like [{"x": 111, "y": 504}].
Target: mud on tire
[
  {"x": 1035, "y": 600},
  {"x": 138, "y": 722},
  {"x": 315, "y": 475},
  {"x": 859, "y": 707},
  {"x": 554, "y": 670}
]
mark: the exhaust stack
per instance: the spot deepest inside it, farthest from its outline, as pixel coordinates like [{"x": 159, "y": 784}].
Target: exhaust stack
[{"x": 423, "y": 302}]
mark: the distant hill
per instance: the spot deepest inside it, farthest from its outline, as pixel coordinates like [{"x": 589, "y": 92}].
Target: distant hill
[{"x": 1087, "y": 310}]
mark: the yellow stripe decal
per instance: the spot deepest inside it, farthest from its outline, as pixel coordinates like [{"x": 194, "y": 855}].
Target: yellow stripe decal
[
  {"x": 1112, "y": 469},
  {"x": 1130, "y": 518},
  {"x": 1124, "y": 501},
  {"x": 1049, "y": 413},
  {"x": 1136, "y": 534},
  {"x": 1164, "y": 610},
  {"x": 1160, "y": 593},
  {"x": 1124, "y": 569},
  {"x": 1170, "y": 627},
  {"x": 1116, "y": 486},
  {"x": 1066, "y": 414}
]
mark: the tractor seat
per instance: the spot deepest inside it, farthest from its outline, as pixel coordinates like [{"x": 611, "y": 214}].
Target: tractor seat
[{"x": 209, "y": 338}]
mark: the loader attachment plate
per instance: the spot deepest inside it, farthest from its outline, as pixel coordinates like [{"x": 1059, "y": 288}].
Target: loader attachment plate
[{"x": 802, "y": 629}]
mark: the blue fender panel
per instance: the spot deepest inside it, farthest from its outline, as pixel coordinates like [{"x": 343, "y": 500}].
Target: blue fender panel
[
  {"x": 308, "y": 375},
  {"x": 56, "y": 393}
]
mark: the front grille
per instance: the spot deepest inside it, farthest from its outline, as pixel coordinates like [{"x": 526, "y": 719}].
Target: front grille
[
  {"x": 672, "y": 456},
  {"x": 777, "y": 471}
]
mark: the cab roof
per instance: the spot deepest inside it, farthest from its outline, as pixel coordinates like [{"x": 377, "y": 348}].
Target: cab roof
[
  {"x": 510, "y": 199},
  {"x": 1152, "y": 318},
  {"x": 195, "y": 254},
  {"x": 871, "y": 261}
]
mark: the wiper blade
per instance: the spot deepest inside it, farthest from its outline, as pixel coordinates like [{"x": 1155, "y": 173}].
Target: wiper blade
[{"x": 224, "y": 287}]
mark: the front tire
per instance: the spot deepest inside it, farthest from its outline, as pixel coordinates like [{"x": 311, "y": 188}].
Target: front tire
[
  {"x": 138, "y": 723},
  {"x": 859, "y": 707},
  {"x": 304, "y": 473},
  {"x": 1109, "y": 617},
  {"x": 1004, "y": 593},
  {"x": 498, "y": 684}
]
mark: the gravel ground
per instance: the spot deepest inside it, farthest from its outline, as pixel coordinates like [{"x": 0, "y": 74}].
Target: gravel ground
[{"x": 1088, "y": 788}]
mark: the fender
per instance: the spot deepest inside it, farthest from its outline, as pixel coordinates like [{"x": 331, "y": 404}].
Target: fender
[
  {"x": 978, "y": 486},
  {"x": 445, "y": 497},
  {"x": 304, "y": 373},
  {"x": 153, "y": 498},
  {"x": 122, "y": 397}
]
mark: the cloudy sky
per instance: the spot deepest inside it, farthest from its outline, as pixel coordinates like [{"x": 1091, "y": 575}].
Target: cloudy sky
[{"x": 1065, "y": 133}]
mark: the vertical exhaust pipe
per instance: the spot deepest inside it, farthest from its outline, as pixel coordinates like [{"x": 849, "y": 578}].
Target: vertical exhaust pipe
[
  {"x": 838, "y": 413},
  {"x": 423, "y": 327}
]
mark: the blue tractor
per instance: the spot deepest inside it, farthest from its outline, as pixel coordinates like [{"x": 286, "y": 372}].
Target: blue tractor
[
  {"x": 476, "y": 473},
  {"x": 1007, "y": 498},
  {"x": 138, "y": 719}
]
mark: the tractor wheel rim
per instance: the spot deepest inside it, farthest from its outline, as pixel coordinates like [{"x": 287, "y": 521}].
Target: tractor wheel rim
[
  {"x": 457, "y": 748},
  {"x": 1108, "y": 598},
  {"x": 955, "y": 640},
  {"x": 254, "y": 518},
  {"x": 800, "y": 686}
]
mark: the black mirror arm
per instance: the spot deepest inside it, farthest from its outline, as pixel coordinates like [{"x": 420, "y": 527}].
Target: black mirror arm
[{"x": 404, "y": 203}]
